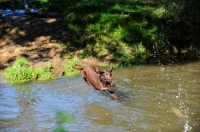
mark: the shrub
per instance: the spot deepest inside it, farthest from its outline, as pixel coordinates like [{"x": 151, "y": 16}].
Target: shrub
[
  {"x": 69, "y": 71},
  {"x": 44, "y": 72},
  {"x": 19, "y": 72}
]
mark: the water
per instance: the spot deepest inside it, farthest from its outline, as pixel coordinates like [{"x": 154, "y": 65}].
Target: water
[
  {"x": 155, "y": 98},
  {"x": 18, "y": 12}
]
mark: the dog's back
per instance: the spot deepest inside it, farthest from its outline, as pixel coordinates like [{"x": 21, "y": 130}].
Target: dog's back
[{"x": 90, "y": 74}]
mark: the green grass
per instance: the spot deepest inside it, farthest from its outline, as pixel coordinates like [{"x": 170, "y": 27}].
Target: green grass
[
  {"x": 128, "y": 31},
  {"x": 44, "y": 72},
  {"x": 62, "y": 118},
  {"x": 125, "y": 32},
  {"x": 19, "y": 72},
  {"x": 69, "y": 71}
]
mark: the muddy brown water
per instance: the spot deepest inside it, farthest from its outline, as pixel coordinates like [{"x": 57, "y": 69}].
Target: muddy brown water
[{"x": 155, "y": 98}]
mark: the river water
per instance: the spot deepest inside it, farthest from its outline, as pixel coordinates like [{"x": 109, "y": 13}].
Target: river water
[{"x": 155, "y": 98}]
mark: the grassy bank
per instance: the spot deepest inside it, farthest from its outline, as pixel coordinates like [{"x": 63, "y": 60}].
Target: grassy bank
[
  {"x": 126, "y": 32},
  {"x": 131, "y": 31},
  {"x": 21, "y": 71}
]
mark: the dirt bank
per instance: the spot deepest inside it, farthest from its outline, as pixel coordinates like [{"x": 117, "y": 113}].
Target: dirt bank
[{"x": 36, "y": 38}]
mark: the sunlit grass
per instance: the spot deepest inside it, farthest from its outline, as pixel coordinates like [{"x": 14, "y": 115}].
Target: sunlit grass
[
  {"x": 139, "y": 28},
  {"x": 69, "y": 71},
  {"x": 19, "y": 72},
  {"x": 61, "y": 45},
  {"x": 120, "y": 28},
  {"x": 44, "y": 72},
  {"x": 159, "y": 12}
]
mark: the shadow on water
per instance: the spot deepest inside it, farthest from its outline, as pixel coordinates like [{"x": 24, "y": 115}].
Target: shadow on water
[{"x": 155, "y": 98}]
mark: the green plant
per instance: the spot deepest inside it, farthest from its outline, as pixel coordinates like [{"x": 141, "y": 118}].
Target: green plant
[
  {"x": 69, "y": 71},
  {"x": 61, "y": 45},
  {"x": 115, "y": 28},
  {"x": 44, "y": 72},
  {"x": 85, "y": 53},
  {"x": 62, "y": 117},
  {"x": 19, "y": 72},
  {"x": 68, "y": 55}
]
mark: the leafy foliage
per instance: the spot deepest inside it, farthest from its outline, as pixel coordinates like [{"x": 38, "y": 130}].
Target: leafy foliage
[
  {"x": 44, "y": 72},
  {"x": 19, "y": 72},
  {"x": 118, "y": 29},
  {"x": 62, "y": 117},
  {"x": 69, "y": 71}
]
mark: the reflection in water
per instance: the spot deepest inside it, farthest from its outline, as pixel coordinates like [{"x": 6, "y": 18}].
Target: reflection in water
[{"x": 155, "y": 98}]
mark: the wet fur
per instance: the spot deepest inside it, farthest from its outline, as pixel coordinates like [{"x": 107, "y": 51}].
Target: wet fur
[{"x": 100, "y": 80}]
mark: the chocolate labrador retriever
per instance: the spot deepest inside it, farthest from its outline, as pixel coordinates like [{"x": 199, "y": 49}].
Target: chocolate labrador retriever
[{"x": 100, "y": 80}]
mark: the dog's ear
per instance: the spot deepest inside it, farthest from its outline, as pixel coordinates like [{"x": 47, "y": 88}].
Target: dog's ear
[
  {"x": 111, "y": 69},
  {"x": 101, "y": 72}
]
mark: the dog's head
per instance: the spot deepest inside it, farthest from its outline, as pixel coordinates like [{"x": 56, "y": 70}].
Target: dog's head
[{"x": 106, "y": 76}]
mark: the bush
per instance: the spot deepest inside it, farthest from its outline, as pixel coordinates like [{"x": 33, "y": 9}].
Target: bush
[
  {"x": 44, "y": 72},
  {"x": 19, "y": 72},
  {"x": 69, "y": 71}
]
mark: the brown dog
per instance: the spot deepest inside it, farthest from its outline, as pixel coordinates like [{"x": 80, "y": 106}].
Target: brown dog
[{"x": 100, "y": 80}]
